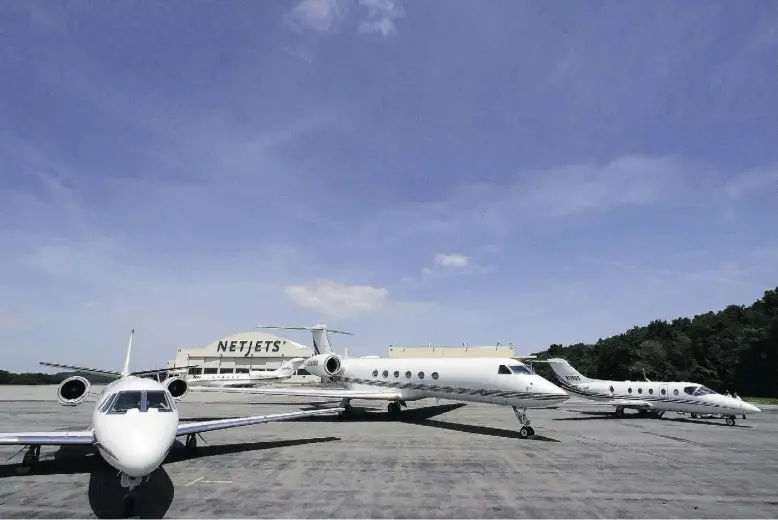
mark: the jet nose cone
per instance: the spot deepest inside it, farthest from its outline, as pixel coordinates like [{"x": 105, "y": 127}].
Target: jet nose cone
[
  {"x": 749, "y": 408},
  {"x": 143, "y": 458}
]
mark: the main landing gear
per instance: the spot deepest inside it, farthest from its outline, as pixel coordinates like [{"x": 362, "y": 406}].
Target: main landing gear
[
  {"x": 526, "y": 430},
  {"x": 31, "y": 456},
  {"x": 191, "y": 442},
  {"x": 395, "y": 407},
  {"x": 346, "y": 404}
]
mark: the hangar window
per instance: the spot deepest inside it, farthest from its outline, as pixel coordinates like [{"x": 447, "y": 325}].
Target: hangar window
[
  {"x": 629, "y": 390},
  {"x": 651, "y": 391},
  {"x": 396, "y": 373},
  {"x": 194, "y": 371},
  {"x": 520, "y": 369},
  {"x": 385, "y": 373},
  {"x": 640, "y": 390},
  {"x": 375, "y": 373},
  {"x": 421, "y": 375},
  {"x": 434, "y": 375},
  {"x": 503, "y": 370},
  {"x": 211, "y": 370},
  {"x": 675, "y": 392},
  {"x": 302, "y": 372},
  {"x": 408, "y": 374},
  {"x": 663, "y": 391}
]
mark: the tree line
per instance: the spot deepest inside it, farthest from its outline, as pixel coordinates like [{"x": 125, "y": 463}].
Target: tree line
[
  {"x": 734, "y": 349},
  {"x": 37, "y": 378}
]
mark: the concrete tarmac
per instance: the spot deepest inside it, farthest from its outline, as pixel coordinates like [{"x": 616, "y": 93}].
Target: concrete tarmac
[{"x": 435, "y": 462}]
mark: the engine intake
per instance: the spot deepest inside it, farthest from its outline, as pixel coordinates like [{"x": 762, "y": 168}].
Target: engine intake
[
  {"x": 177, "y": 387},
  {"x": 323, "y": 365},
  {"x": 73, "y": 390}
]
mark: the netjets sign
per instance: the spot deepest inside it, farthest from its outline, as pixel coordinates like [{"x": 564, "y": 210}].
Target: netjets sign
[{"x": 247, "y": 347}]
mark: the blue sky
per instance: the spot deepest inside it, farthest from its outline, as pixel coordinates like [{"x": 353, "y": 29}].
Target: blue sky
[{"x": 413, "y": 172}]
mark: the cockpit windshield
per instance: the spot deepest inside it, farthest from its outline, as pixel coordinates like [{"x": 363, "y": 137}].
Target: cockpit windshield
[
  {"x": 703, "y": 390},
  {"x": 141, "y": 400},
  {"x": 520, "y": 369}
]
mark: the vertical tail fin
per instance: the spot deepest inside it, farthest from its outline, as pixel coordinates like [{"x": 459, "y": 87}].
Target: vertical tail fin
[
  {"x": 321, "y": 341},
  {"x": 565, "y": 373},
  {"x": 126, "y": 368}
]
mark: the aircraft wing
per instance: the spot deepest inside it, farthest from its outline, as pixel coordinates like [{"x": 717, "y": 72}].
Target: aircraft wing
[
  {"x": 221, "y": 424},
  {"x": 631, "y": 403},
  {"x": 335, "y": 393},
  {"x": 61, "y": 438},
  {"x": 86, "y": 370},
  {"x": 141, "y": 373}
]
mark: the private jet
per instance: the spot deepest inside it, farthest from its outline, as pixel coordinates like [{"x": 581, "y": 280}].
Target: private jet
[
  {"x": 252, "y": 379},
  {"x": 649, "y": 397},
  {"x": 505, "y": 382},
  {"x": 134, "y": 424}
]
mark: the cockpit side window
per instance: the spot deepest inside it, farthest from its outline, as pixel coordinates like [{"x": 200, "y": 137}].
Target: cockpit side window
[
  {"x": 128, "y": 400},
  {"x": 703, "y": 390},
  {"x": 520, "y": 369},
  {"x": 504, "y": 370},
  {"x": 107, "y": 403},
  {"x": 690, "y": 389},
  {"x": 157, "y": 399}
]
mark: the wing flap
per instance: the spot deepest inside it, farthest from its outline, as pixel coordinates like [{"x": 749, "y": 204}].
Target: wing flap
[
  {"x": 631, "y": 403},
  {"x": 47, "y": 438},
  {"x": 221, "y": 424},
  {"x": 307, "y": 392}
]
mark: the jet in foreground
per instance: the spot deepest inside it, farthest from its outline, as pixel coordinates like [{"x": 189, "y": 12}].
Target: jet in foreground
[
  {"x": 649, "y": 397},
  {"x": 134, "y": 424},
  {"x": 505, "y": 382},
  {"x": 253, "y": 378}
]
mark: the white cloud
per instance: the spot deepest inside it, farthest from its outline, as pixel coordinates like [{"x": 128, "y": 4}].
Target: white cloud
[
  {"x": 8, "y": 322},
  {"x": 381, "y": 16},
  {"x": 337, "y": 300},
  {"x": 325, "y": 16},
  {"x": 452, "y": 260}
]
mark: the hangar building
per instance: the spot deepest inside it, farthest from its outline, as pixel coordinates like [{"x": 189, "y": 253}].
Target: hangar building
[{"x": 242, "y": 352}]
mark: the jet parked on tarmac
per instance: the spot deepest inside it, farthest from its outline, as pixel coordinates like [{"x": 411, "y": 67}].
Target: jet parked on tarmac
[
  {"x": 649, "y": 397},
  {"x": 253, "y": 378},
  {"x": 505, "y": 382},
  {"x": 134, "y": 424}
]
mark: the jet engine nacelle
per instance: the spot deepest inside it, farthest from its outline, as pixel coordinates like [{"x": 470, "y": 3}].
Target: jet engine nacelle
[
  {"x": 323, "y": 365},
  {"x": 177, "y": 387},
  {"x": 73, "y": 390}
]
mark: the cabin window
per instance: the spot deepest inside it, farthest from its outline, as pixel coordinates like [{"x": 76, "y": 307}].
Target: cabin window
[
  {"x": 408, "y": 374},
  {"x": 675, "y": 392},
  {"x": 157, "y": 399},
  {"x": 519, "y": 369},
  {"x": 434, "y": 375},
  {"x": 629, "y": 390},
  {"x": 396, "y": 373},
  {"x": 640, "y": 390},
  {"x": 375, "y": 373},
  {"x": 504, "y": 370},
  {"x": 385, "y": 373},
  {"x": 421, "y": 375},
  {"x": 611, "y": 389},
  {"x": 651, "y": 391},
  {"x": 663, "y": 391}
]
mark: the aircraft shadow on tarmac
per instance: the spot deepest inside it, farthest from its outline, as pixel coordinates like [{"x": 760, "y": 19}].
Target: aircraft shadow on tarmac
[
  {"x": 601, "y": 416},
  {"x": 153, "y": 497},
  {"x": 418, "y": 416}
]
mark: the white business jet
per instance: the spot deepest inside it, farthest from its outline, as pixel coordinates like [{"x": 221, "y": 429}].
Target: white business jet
[
  {"x": 135, "y": 421},
  {"x": 505, "y": 382},
  {"x": 253, "y": 378},
  {"x": 649, "y": 397}
]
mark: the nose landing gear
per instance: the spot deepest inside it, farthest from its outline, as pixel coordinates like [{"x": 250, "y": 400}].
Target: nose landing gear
[{"x": 526, "y": 430}]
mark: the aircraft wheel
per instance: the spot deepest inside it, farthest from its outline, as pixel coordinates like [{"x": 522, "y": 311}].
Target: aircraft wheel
[
  {"x": 191, "y": 443},
  {"x": 531, "y": 430},
  {"x": 393, "y": 408},
  {"x": 128, "y": 505},
  {"x": 619, "y": 412},
  {"x": 524, "y": 432},
  {"x": 31, "y": 456},
  {"x": 730, "y": 421}
]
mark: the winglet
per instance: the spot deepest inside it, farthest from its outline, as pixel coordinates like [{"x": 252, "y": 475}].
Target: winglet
[{"x": 126, "y": 369}]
